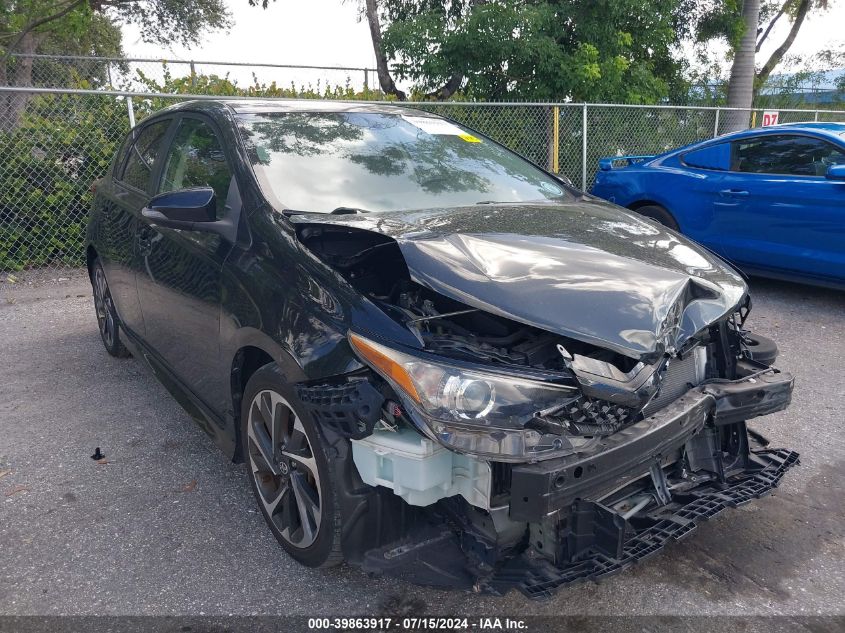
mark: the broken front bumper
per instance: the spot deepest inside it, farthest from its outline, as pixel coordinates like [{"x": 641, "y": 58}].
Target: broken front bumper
[
  {"x": 569, "y": 498},
  {"x": 541, "y": 488},
  {"x": 693, "y": 459},
  {"x": 538, "y": 578}
]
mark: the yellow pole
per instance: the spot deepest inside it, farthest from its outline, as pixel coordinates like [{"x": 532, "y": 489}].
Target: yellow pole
[
  {"x": 753, "y": 118},
  {"x": 555, "y": 138}
]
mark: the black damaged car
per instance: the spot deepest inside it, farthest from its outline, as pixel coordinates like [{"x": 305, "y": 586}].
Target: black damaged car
[{"x": 437, "y": 360}]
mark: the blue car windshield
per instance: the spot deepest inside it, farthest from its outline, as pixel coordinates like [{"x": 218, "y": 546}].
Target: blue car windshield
[{"x": 321, "y": 161}]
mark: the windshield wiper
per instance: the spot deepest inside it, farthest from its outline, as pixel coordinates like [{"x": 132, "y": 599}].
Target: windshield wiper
[
  {"x": 338, "y": 211},
  {"x": 348, "y": 211},
  {"x": 541, "y": 201}
]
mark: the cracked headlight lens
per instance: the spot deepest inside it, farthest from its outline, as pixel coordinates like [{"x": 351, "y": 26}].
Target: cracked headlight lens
[{"x": 470, "y": 410}]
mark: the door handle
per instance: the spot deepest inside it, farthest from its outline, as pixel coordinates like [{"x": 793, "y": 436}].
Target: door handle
[{"x": 733, "y": 192}]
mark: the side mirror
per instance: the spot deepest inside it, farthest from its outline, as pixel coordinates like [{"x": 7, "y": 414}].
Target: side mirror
[
  {"x": 182, "y": 209},
  {"x": 196, "y": 210},
  {"x": 835, "y": 172}
]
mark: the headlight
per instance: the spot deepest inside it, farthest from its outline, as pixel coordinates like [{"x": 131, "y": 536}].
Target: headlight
[{"x": 470, "y": 410}]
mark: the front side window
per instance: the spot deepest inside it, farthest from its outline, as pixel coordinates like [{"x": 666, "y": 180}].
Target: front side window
[
  {"x": 788, "y": 155},
  {"x": 321, "y": 161},
  {"x": 142, "y": 155},
  {"x": 196, "y": 159},
  {"x": 119, "y": 159}
]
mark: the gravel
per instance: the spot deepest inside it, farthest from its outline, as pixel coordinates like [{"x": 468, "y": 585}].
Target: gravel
[{"x": 169, "y": 527}]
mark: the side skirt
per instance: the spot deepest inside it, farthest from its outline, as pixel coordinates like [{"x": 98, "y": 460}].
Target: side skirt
[{"x": 200, "y": 412}]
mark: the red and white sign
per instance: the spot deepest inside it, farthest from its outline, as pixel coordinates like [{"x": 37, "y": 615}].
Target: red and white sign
[{"x": 770, "y": 117}]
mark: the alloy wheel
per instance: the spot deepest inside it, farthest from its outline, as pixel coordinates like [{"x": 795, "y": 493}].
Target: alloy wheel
[
  {"x": 284, "y": 468},
  {"x": 103, "y": 306}
]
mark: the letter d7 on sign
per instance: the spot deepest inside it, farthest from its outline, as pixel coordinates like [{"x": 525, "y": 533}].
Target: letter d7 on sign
[{"x": 770, "y": 118}]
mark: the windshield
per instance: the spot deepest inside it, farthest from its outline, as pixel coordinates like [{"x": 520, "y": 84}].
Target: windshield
[{"x": 319, "y": 162}]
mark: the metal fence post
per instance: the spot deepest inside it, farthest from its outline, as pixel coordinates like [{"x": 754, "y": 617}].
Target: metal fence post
[
  {"x": 556, "y": 139},
  {"x": 130, "y": 110},
  {"x": 366, "y": 81},
  {"x": 584, "y": 148},
  {"x": 716, "y": 126},
  {"x": 193, "y": 76},
  {"x": 816, "y": 118}
]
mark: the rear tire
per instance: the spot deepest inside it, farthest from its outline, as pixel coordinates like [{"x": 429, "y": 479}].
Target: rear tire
[
  {"x": 656, "y": 212},
  {"x": 107, "y": 320},
  {"x": 289, "y": 470}
]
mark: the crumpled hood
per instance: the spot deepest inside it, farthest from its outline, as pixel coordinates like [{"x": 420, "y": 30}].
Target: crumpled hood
[{"x": 586, "y": 270}]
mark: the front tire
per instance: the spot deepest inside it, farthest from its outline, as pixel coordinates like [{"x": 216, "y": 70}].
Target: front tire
[
  {"x": 289, "y": 471},
  {"x": 107, "y": 321}
]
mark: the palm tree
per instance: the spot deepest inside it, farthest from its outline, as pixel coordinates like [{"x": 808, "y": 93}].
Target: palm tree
[{"x": 741, "y": 83}]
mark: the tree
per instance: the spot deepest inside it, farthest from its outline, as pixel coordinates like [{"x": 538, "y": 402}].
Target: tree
[
  {"x": 371, "y": 11},
  {"x": 741, "y": 83},
  {"x": 797, "y": 10},
  {"x": 746, "y": 26},
  {"x": 584, "y": 50},
  {"x": 89, "y": 27},
  {"x": 614, "y": 50},
  {"x": 382, "y": 69}
]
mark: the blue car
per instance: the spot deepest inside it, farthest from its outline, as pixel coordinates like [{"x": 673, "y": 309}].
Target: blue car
[{"x": 771, "y": 200}]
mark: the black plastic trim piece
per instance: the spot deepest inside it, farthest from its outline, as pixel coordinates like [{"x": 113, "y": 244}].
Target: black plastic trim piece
[
  {"x": 745, "y": 400},
  {"x": 541, "y": 488},
  {"x": 351, "y": 408},
  {"x": 538, "y": 579}
]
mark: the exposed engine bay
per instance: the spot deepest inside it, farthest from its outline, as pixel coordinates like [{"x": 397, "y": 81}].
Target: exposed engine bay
[{"x": 507, "y": 456}]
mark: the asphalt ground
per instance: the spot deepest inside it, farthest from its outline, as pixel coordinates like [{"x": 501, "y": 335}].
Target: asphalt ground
[{"x": 169, "y": 526}]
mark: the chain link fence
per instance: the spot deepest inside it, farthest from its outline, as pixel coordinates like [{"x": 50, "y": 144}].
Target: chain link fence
[
  {"x": 55, "y": 142},
  {"x": 195, "y": 76}
]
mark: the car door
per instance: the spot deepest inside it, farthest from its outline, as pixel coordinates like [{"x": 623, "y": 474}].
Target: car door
[
  {"x": 120, "y": 200},
  {"x": 787, "y": 214},
  {"x": 180, "y": 283},
  {"x": 701, "y": 207}
]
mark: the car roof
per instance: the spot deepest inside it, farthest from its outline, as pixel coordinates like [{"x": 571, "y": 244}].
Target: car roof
[
  {"x": 826, "y": 128},
  {"x": 833, "y": 126},
  {"x": 830, "y": 129},
  {"x": 252, "y": 106}
]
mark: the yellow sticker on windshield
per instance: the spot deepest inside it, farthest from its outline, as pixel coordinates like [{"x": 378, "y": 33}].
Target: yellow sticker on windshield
[{"x": 434, "y": 125}]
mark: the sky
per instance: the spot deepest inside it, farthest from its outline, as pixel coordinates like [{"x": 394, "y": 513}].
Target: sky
[
  {"x": 312, "y": 32},
  {"x": 330, "y": 33}
]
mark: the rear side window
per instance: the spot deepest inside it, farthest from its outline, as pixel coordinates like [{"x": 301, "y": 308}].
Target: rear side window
[
  {"x": 787, "y": 155},
  {"x": 711, "y": 157},
  {"x": 142, "y": 155},
  {"x": 196, "y": 159}
]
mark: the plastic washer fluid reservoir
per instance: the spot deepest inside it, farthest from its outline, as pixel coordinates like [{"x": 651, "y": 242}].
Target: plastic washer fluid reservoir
[{"x": 418, "y": 469}]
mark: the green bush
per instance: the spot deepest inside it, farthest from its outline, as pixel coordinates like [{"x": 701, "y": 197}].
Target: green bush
[{"x": 61, "y": 145}]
